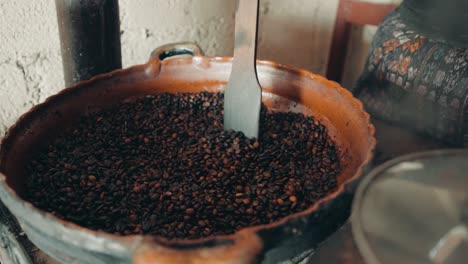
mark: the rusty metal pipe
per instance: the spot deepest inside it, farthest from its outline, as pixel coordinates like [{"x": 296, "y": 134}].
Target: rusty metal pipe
[{"x": 89, "y": 37}]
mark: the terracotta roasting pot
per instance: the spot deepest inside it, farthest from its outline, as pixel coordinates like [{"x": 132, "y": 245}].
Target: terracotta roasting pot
[{"x": 284, "y": 89}]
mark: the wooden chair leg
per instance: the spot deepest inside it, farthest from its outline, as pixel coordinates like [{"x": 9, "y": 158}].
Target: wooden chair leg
[{"x": 340, "y": 39}]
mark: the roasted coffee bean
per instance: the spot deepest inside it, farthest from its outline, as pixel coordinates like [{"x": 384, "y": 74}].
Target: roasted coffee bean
[
  {"x": 163, "y": 165},
  {"x": 293, "y": 199}
]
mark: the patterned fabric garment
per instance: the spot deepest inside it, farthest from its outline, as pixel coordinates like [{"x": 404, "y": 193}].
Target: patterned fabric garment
[{"x": 417, "y": 82}]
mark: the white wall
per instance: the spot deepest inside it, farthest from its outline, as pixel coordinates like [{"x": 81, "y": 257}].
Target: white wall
[{"x": 295, "y": 32}]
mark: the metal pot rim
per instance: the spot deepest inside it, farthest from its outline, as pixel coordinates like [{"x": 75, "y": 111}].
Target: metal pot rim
[{"x": 357, "y": 228}]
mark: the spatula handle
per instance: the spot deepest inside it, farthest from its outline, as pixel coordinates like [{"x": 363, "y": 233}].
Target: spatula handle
[{"x": 246, "y": 36}]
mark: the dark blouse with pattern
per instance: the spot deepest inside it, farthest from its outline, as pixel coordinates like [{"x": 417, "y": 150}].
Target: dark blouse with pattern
[
  {"x": 416, "y": 75},
  {"x": 445, "y": 20}
]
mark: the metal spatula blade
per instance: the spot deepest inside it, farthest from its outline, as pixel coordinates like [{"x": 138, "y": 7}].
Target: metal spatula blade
[{"x": 243, "y": 94}]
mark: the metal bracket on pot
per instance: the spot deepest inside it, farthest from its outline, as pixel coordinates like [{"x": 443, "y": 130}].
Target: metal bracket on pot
[{"x": 11, "y": 249}]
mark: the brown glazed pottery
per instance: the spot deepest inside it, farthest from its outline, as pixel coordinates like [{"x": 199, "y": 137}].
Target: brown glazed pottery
[{"x": 182, "y": 68}]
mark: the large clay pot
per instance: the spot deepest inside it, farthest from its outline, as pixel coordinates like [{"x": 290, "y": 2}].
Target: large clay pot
[{"x": 284, "y": 89}]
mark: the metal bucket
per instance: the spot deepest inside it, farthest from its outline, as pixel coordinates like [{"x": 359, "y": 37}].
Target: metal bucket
[{"x": 414, "y": 209}]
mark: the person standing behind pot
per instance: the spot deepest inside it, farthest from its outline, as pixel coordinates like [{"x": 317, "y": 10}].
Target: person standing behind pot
[{"x": 416, "y": 74}]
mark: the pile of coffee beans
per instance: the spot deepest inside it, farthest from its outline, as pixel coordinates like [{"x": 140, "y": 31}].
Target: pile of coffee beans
[{"x": 164, "y": 165}]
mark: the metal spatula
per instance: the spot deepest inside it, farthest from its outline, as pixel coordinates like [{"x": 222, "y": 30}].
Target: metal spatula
[{"x": 243, "y": 94}]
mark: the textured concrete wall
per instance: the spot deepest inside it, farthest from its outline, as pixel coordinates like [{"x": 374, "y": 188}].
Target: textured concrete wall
[
  {"x": 30, "y": 64},
  {"x": 295, "y": 32}
]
